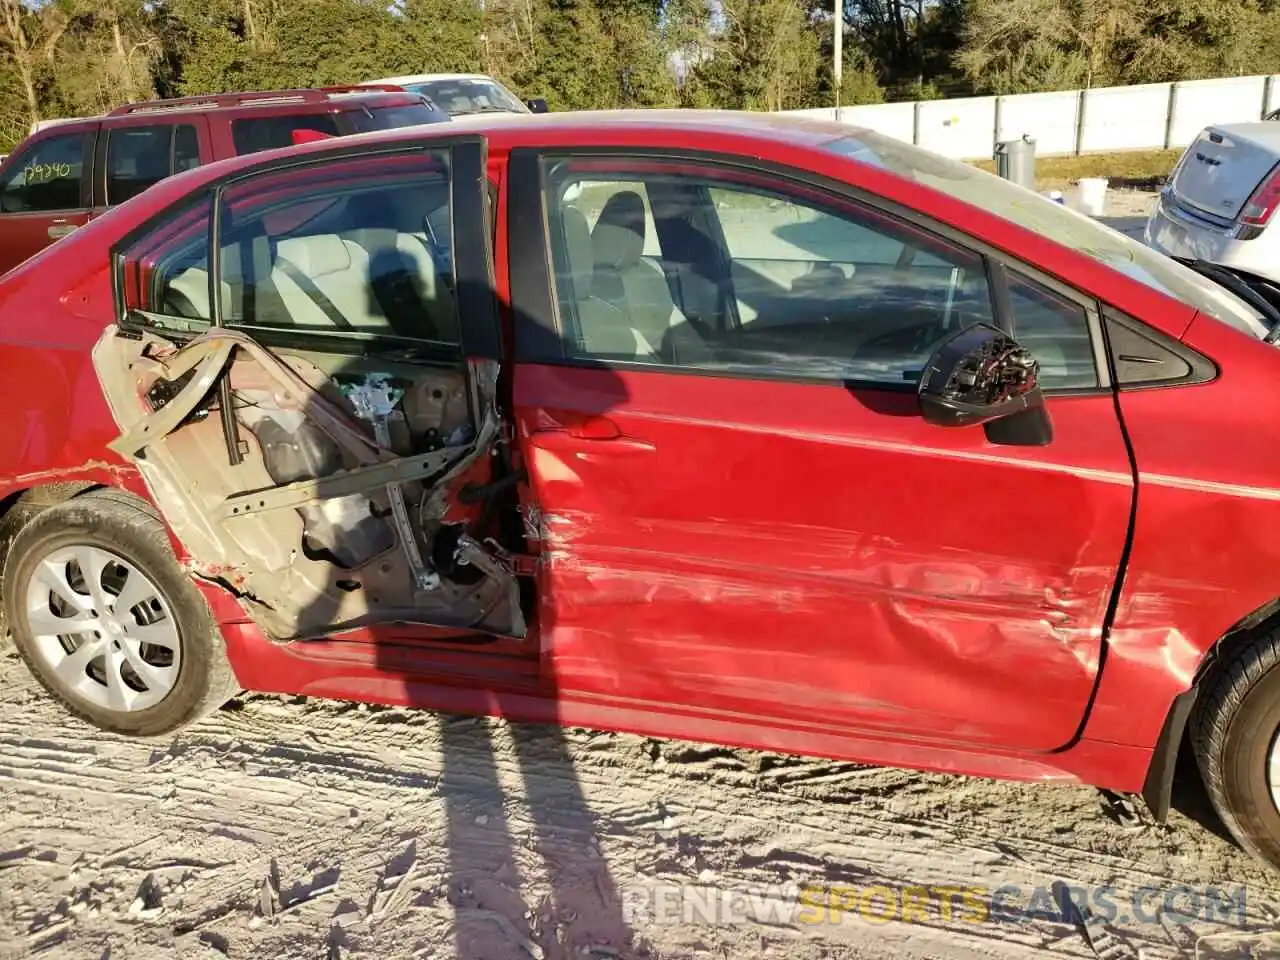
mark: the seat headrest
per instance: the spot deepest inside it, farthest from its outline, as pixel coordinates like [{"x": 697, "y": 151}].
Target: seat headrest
[
  {"x": 316, "y": 256},
  {"x": 578, "y": 249},
  {"x": 618, "y": 238}
]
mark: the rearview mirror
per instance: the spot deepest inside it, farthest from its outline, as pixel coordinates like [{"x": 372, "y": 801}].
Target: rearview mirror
[
  {"x": 536, "y": 105},
  {"x": 981, "y": 375}
]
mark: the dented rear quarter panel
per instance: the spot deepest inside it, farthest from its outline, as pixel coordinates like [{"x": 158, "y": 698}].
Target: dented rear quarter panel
[
  {"x": 57, "y": 424},
  {"x": 1206, "y": 544}
]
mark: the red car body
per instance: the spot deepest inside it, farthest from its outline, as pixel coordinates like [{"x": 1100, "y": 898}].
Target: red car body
[{"x": 790, "y": 566}]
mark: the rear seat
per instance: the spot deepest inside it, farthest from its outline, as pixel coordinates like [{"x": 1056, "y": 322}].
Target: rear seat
[
  {"x": 335, "y": 269},
  {"x": 425, "y": 307},
  {"x": 192, "y": 286},
  {"x": 328, "y": 281}
]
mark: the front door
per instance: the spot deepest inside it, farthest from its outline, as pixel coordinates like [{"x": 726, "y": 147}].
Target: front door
[
  {"x": 741, "y": 510},
  {"x": 44, "y": 192},
  {"x": 307, "y": 394}
]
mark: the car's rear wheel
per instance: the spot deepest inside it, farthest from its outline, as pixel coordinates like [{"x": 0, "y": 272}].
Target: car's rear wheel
[
  {"x": 1236, "y": 738},
  {"x": 107, "y": 621}
]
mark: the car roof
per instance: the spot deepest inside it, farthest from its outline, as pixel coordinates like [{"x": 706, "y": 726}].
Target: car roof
[
  {"x": 786, "y": 128},
  {"x": 724, "y": 130},
  {"x": 727, "y": 130},
  {"x": 427, "y": 77},
  {"x": 1264, "y": 133},
  {"x": 280, "y": 101}
]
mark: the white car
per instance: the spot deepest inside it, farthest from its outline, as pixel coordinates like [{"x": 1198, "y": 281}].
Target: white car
[
  {"x": 463, "y": 94},
  {"x": 1221, "y": 198}
]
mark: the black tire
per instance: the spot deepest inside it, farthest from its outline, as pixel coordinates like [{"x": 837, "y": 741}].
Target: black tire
[
  {"x": 1237, "y": 720},
  {"x": 131, "y": 528}
]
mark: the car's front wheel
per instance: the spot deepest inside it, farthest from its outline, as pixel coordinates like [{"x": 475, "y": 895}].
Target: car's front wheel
[
  {"x": 1236, "y": 738},
  {"x": 107, "y": 621}
]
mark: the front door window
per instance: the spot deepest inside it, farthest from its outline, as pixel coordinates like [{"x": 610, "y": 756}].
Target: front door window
[
  {"x": 695, "y": 266},
  {"x": 796, "y": 287},
  {"x": 47, "y": 176}
]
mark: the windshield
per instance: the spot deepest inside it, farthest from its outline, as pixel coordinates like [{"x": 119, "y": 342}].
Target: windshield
[
  {"x": 469, "y": 95},
  {"x": 366, "y": 119},
  {"x": 1067, "y": 227}
]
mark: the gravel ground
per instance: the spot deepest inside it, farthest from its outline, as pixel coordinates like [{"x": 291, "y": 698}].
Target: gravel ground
[
  {"x": 308, "y": 829},
  {"x": 1127, "y": 210}
]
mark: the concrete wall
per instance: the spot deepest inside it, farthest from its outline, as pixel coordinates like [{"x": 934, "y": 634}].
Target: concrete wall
[{"x": 1151, "y": 116}]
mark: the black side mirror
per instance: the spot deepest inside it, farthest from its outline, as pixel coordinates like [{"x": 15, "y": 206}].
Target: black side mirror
[
  {"x": 536, "y": 105},
  {"x": 981, "y": 375}
]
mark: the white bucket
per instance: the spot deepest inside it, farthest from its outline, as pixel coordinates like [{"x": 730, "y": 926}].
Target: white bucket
[{"x": 1093, "y": 195}]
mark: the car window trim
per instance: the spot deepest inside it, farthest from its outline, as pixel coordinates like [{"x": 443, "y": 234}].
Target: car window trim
[
  {"x": 99, "y": 176},
  {"x": 1202, "y": 368},
  {"x": 540, "y": 339},
  {"x": 173, "y": 146}
]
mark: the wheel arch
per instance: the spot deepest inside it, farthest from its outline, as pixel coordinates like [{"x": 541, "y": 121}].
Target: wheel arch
[
  {"x": 20, "y": 505},
  {"x": 1157, "y": 789}
]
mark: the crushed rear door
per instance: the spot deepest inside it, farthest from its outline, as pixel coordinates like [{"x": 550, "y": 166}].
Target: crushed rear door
[{"x": 320, "y": 472}]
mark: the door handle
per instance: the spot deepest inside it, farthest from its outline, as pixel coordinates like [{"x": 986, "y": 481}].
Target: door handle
[
  {"x": 60, "y": 228},
  {"x": 592, "y": 433},
  {"x": 557, "y": 441},
  {"x": 594, "y": 428}
]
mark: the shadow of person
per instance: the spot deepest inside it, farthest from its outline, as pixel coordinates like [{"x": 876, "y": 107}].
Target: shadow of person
[
  {"x": 526, "y": 874},
  {"x": 1191, "y": 799},
  {"x": 500, "y": 851}
]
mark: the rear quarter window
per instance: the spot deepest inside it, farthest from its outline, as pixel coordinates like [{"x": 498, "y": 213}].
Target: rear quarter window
[{"x": 254, "y": 134}]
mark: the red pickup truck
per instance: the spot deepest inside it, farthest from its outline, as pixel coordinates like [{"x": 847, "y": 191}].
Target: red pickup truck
[{"x": 66, "y": 174}]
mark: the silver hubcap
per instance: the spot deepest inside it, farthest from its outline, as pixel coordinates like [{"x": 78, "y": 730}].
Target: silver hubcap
[
  {"x": 103, "y": 628},
  {"x": 1273, "y": 771}
]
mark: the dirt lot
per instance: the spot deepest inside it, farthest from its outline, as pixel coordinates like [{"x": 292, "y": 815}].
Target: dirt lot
[
  {"x": 307, "y": 829},
  {"x": 1127, "y": 210}
]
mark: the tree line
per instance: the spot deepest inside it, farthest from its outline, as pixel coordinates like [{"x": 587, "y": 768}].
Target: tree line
[{"x": 63, "y": 58}]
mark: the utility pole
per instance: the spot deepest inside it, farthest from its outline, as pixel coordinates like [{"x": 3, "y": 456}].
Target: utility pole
[{"x": 837, "y": 46}]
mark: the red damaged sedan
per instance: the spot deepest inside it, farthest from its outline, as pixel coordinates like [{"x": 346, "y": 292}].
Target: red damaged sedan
[{"x": 718, "y": 426}]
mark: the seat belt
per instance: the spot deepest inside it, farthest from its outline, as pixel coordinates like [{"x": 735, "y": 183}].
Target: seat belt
[{"x": 307, "y": 285}]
